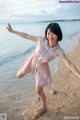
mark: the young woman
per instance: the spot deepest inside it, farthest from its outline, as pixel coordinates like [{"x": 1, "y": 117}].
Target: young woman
[{"x": 47, "y": 49}]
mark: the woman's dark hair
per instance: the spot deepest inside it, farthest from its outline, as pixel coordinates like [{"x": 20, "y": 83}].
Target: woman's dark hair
[{"x": 54, "y": 28}]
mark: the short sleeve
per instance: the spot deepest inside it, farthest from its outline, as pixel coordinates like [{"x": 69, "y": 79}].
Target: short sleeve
[
  {"x": 60, "y": 52},
  {"x": 40, "y": 39}
]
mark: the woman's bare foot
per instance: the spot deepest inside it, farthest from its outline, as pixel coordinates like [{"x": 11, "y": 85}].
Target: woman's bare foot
[{"x": 41, "y": 110}]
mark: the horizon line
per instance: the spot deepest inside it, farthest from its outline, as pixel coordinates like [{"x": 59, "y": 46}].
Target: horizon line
[{"x": 58, "y": 20}]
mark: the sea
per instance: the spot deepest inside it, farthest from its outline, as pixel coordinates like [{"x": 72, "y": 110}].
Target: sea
[{"x": 14, "y": 50}]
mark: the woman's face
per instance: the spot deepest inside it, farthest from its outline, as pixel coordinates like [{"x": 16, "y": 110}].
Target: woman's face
[{"x": 51, "y": 36}]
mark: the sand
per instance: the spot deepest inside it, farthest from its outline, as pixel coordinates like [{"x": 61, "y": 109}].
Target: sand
[{"x": 65, "y": 104}]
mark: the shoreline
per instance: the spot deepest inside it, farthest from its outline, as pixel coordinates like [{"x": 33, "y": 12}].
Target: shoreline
[{"x": 65, "y": 103}]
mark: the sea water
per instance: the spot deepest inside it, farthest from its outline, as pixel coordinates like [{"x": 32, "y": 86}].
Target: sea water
[{"x": 14, "y": 50}]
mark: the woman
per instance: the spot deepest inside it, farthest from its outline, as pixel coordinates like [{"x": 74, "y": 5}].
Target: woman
[{"x": 47, "y": 49}]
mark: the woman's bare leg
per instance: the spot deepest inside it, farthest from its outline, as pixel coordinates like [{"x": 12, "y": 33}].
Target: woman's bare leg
[{"x": 40, "y": 92}]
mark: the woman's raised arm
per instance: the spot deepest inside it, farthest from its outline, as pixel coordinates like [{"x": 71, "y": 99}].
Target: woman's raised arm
[
  {"x": 21, "y": 34},
  {"x": 70, "y": 65}
]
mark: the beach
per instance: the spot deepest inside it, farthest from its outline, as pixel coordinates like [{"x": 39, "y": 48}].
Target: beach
[{"x": 64, "y": 104}]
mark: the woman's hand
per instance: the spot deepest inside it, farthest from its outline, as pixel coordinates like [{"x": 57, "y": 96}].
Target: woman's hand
[
  {"x": 9, "y": 28},
  {"x": 79, "y": 76}
]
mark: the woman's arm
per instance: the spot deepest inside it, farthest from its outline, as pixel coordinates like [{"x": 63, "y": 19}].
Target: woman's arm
[
  {"x": 71, "y": 66},
  {"x": 21, "y": 34}
]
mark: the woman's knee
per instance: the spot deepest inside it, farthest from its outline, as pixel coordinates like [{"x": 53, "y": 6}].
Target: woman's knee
[
  {"x": 39, "y": 90},
  {"x": 19, "y": 74}
]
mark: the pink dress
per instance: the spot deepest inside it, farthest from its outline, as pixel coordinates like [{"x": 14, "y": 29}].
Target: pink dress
[{"x": 37, "y": 63}]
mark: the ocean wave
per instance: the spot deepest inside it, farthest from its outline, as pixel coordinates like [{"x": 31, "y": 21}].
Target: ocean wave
[
  {"x": 14, "y": 55},
  {"x": 74, "y": 35}
]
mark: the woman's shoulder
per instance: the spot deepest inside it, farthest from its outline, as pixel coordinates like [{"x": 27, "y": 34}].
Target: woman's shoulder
[
  {"x": 41, "y": 39},
  {"x": 59, "y": 50}
]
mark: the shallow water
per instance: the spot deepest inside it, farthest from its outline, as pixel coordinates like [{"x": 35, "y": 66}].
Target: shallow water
[{"x": 14, "y": 51}]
